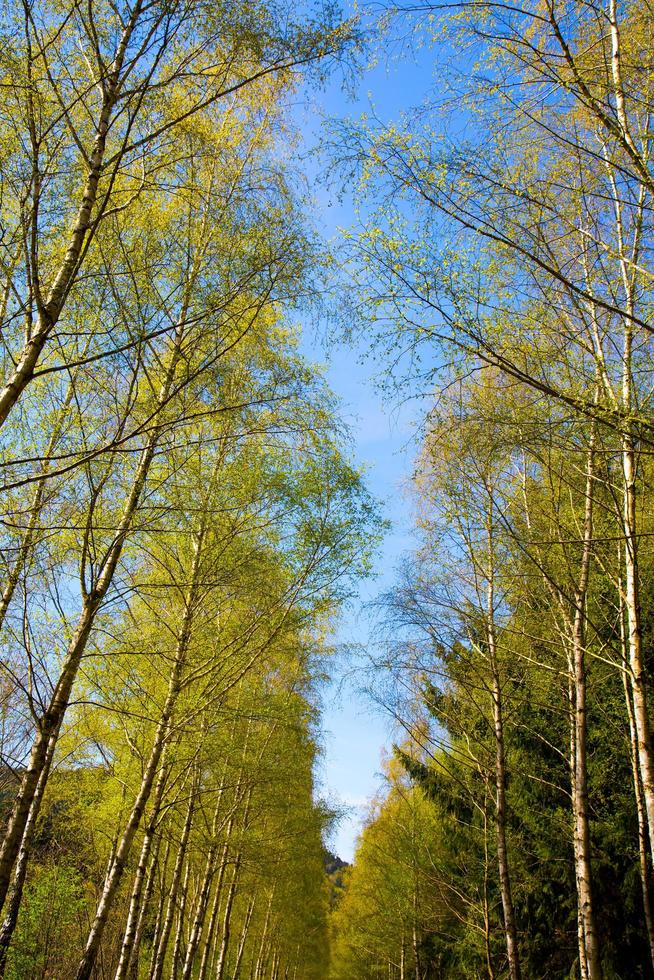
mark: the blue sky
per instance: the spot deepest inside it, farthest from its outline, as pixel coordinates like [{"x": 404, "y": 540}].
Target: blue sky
[{"x": 355, "y": 736}]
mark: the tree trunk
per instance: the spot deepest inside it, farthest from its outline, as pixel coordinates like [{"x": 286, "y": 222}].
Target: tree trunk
[
  {"x": 133, "y": 914},
  {"x": 159, "y": 957},
  {"x": 227, "y": 919},
  {"x": 200, "y": 914},
  {"x": 158, "y": 922},
  {"x": 416, "y": 953},
  {"x": 485, "y": 901},
  {"x": 20, "y": 871},
  {"x": 643, "y": 847},
  {"x": 510, "y": 928},
  {"x": 634, "y": 637},
  {"x": 133, "y": 971},
  {"x": 581, "y": 837},
  {"x": 51, "y": 309},
  {"x": 179, "y": 932},
  {"x": 258, "y": 970},
  {"x": 213, "y": 919},
  {"x": 242, "y": 941}
]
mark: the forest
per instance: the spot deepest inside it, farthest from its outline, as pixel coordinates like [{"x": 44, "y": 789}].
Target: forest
[{"x": 185, "y": 522}]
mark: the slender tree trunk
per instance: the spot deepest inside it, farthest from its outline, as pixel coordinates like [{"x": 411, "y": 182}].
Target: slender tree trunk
[
  {"x": 486, "y": 904},
  {"x": 258, "y": 970},
  {"x": 581, "y": 837},
  {"x": 510, "y": 928},
  {"x": 634, "y": 637},
  {"x": 643, "y": 846},
  {"x": 50, "y": 310},
  {"x": 227, "y": 920},
  {"x": 629, "y": 258},
  {"x": 629, "y": 465},
  {"x": 213, "y": 919},
  {"x": 416, "y": 953},
  {"x": 201, "y": 908},
  {"x": 581, "y": 939},
  {"x": 133, "y": 914},
  {"x": 159, "y": 957},
  {"x": 216, "y": 904},
  {"x": 643, "y": 849},
  {"x": 242, "y": 940},
  {"x": 179, "y": 932},
  {"x": 133, "y": 971},
  {"x": 205, "y": 888},
  {"x": 20, "y": 870},
  {"x": 156, "y": 932},
  {"x": 581, "y": 942}
]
